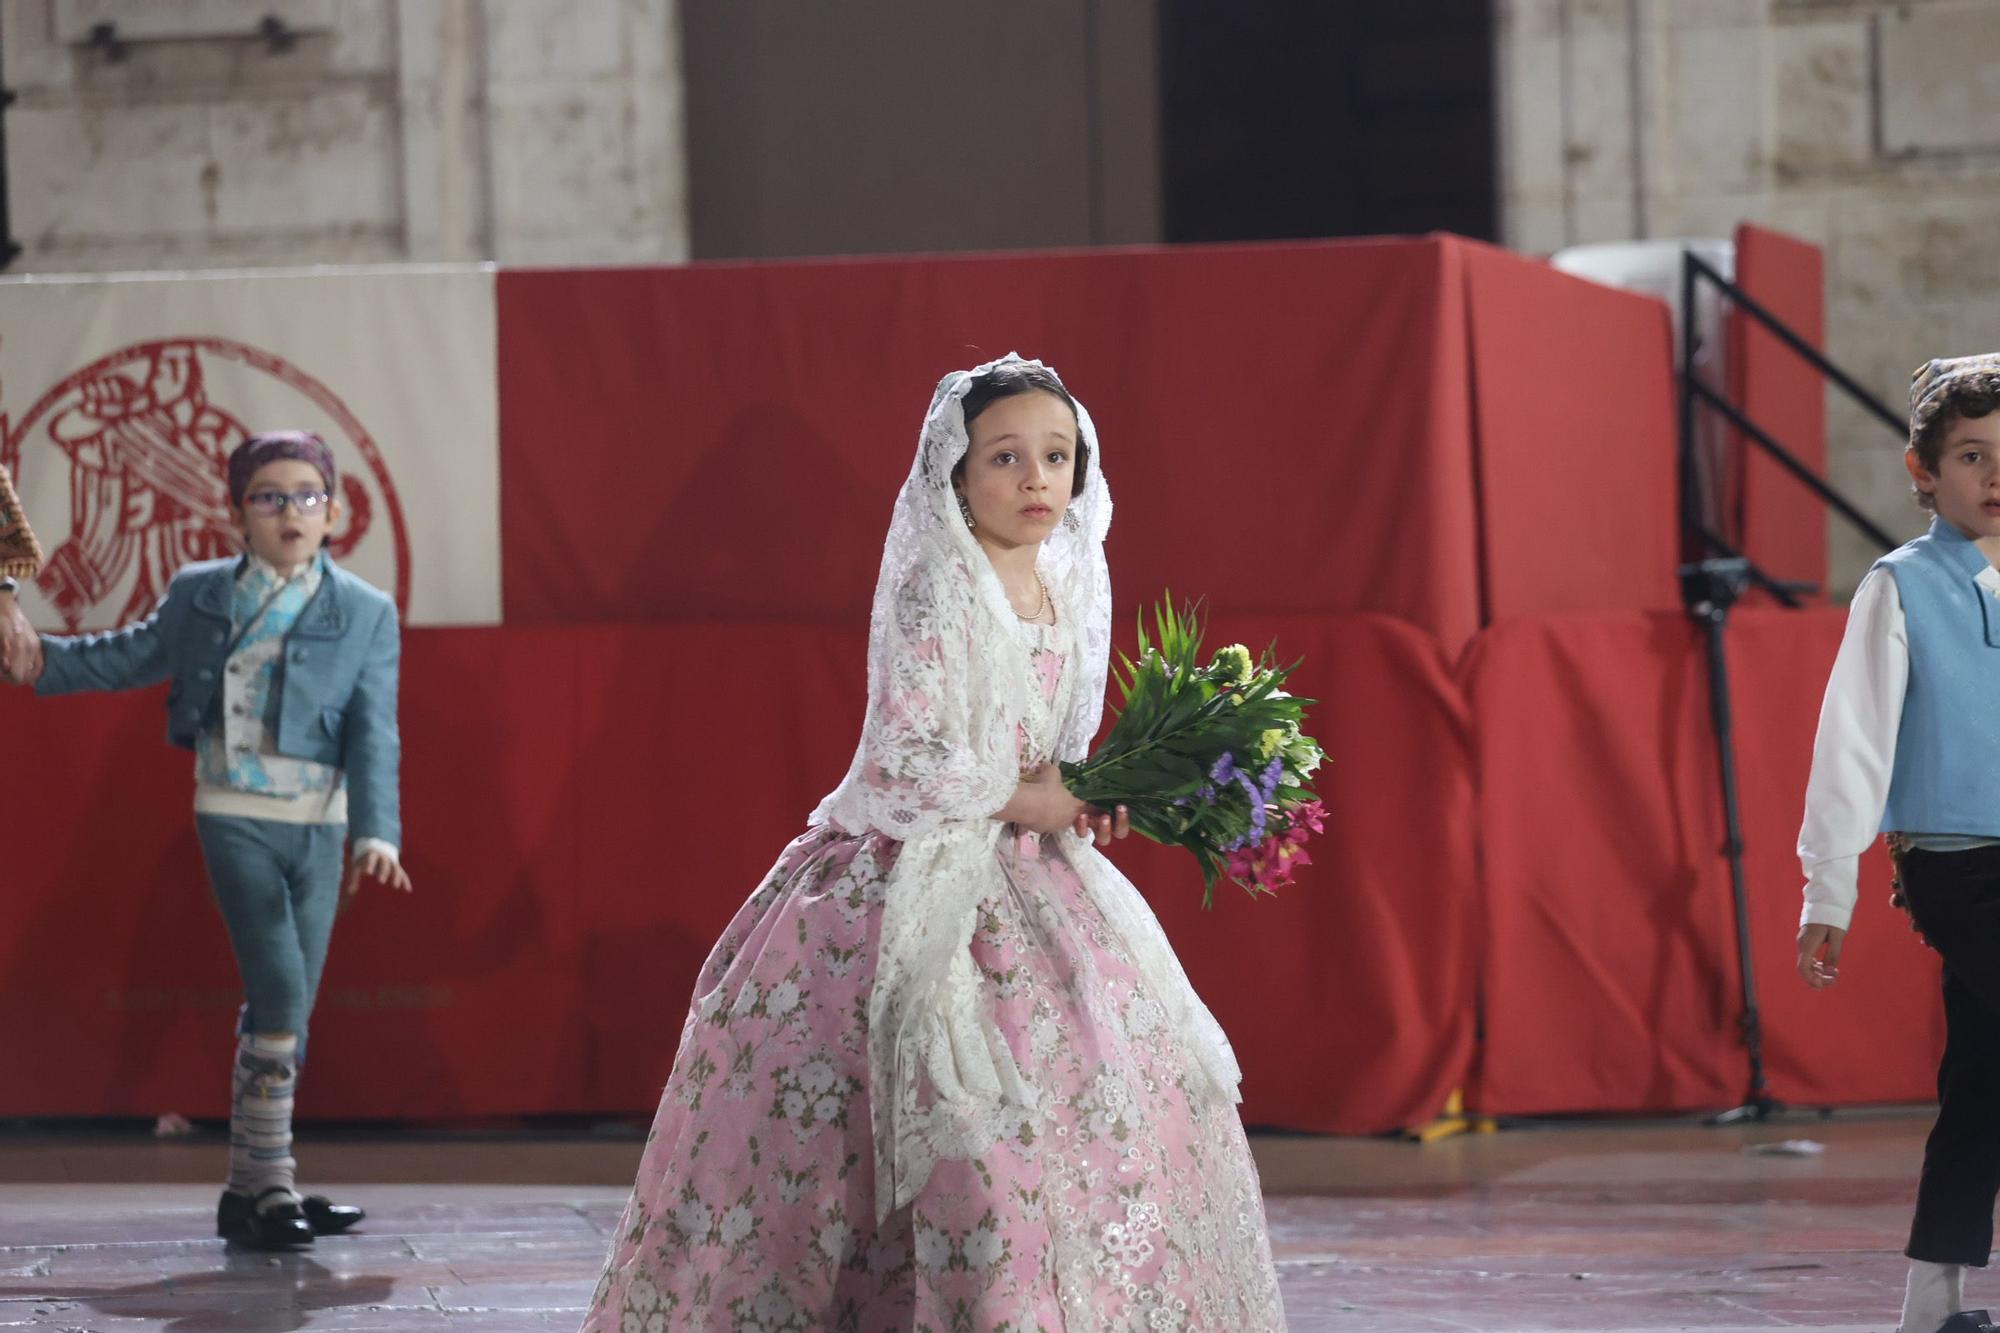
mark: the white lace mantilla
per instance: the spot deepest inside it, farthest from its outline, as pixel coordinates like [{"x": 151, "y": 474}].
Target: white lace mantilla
[{"x": 950, "y": 686}]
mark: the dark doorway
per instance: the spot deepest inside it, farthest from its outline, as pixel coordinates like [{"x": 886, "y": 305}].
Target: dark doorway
[{"x": 1299, "y": 118}]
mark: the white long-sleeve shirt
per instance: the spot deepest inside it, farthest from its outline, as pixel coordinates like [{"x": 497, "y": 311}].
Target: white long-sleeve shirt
[{"x": 1854, "y": 752}]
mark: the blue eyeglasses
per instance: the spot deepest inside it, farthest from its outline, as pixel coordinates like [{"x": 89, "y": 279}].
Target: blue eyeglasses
[{"x": 272, "y": 503}]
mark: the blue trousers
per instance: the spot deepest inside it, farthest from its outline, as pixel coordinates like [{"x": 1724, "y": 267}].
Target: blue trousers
[{"x": 278, "y": 886}]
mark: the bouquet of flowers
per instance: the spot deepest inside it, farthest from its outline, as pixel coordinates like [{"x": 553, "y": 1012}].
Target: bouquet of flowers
[{"x": 1210, "y": 756}]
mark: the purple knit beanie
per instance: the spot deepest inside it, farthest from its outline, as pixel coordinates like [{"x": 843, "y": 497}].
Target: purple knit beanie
[{"x": 258, "y": 450}]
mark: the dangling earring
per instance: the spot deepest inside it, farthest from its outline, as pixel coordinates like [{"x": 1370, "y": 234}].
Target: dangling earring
[{"x": 966, "y": 510}]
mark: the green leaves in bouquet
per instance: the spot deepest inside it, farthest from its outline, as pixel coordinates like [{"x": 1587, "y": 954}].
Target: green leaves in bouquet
[{"x": 1178, "y": 714}]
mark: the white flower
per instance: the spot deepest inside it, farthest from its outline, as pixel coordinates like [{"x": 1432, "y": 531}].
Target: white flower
[
  {"x": 817, "y": 1075},
  {"x": 1145, "y": 1017},
  {"x": 784, "y": 997},
  {"x": 1043, "y": 1039},
  {"x": 642, "y": 1295},
  {"x": 656, "y": 1322},
  {"x": 792, "y": 1106},
  {"x": 773, "y": 1308},
  {"x": 933, "y": 1248},
  {"x": 693, "y": 1218},
  {"x": 826, "y": 1108},
  {"x": 833, "y": 1239},
  {"x": 982, "y": 1247},
  {"x": 736, "y": 1224}
]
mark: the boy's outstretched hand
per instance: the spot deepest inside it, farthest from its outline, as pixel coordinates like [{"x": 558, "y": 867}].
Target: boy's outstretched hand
[
  {"x": 1819, "y": 954},
  {"x": 374, "y": 865}
]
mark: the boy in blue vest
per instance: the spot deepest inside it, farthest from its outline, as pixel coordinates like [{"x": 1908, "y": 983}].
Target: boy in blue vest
[
  {"x": 1909, "y": 746},
  {"x": 283, "y": 682}
]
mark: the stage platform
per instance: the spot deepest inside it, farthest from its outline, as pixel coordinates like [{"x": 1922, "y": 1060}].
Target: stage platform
[{"x": 1606, "y": 1228}]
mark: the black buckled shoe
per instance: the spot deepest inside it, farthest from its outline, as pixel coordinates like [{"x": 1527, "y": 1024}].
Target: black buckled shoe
[
  {"x": 329, "y": 1218},
  {"x": 1970, "y": 1321},
  {"x": 282, "y": 1226},
  {"x": 323, "y": 1215}
]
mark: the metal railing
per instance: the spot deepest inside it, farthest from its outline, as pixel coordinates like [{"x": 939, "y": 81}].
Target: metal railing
[
  {"x": 1716, "y": 579},
  {"x": 1696, "y": 393}
]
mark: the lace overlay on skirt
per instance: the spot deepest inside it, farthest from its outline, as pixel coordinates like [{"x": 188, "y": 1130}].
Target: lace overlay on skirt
[{"x": 1124, "y": 1197}]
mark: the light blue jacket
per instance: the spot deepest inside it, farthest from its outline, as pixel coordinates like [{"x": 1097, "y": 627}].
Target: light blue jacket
[
  {"x": 1945, "y": 779},
  {"x": 337, "y": 678}
]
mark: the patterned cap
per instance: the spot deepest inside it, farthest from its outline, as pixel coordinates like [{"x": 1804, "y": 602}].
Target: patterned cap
[
  {"x": 258, "y": 450},
  {"x": 1931, "y": 377}
]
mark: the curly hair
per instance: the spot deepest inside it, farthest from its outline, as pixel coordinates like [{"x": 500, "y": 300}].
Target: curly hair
[{"x": 1973, "y": 394}]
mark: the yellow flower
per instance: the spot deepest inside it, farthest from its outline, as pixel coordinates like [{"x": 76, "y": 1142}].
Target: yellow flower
[
  {"x": 1269, "y": 742},
  {"x": 1232, "y": 665}
]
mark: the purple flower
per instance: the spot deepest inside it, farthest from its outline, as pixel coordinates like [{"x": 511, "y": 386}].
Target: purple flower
[
  {"x": 1257, "y": 812},
  {"x": 1224, "y": 770},
  {"x": 1273, "y": 773}
]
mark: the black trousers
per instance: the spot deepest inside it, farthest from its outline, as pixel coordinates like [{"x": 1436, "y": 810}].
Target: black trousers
[{"x": 1955, "y": 898}]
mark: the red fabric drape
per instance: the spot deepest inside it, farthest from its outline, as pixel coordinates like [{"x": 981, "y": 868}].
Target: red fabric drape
[
  {"x": 1611, "y": 980},
  {"x": 723, "y": 442},
  {"x": 1782, "y": 524},
  {"x": 1349, "y": 998},
  {"x": 1877, "y": 1035},
  {"x": 588, "y": 805},
  {"x": 1573, "y": 405},
  {"x": 1362, "y": 447}
]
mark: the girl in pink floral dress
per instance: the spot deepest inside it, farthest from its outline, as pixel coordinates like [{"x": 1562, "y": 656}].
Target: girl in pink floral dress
[{"x": 943, "y": 1071}]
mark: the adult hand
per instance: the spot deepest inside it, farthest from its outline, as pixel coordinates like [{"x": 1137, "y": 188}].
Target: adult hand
[
  {"x": 1819, "y": 954},
  {"x": 374, "y": 864},
  {"x": 20, "y": 646}
]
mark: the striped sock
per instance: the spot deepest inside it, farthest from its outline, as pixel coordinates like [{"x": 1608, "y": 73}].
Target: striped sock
[{"x": 260, "y": 1118}]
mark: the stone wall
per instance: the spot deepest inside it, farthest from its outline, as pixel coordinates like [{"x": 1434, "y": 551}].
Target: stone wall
[
  {"x": 370, "y": 130},
  {"x": 1869, "y": 128}
]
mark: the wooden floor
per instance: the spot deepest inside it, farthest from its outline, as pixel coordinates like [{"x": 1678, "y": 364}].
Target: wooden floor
[{"x": 1598, "y": 1228}]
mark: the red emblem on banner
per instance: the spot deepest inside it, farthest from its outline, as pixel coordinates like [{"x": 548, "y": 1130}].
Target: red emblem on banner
[{"x": 146, "y": 439}]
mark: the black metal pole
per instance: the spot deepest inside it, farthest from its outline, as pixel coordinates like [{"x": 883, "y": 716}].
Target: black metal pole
[
  {"x": 1785, "y": 459},
  {"x": 1709, "y": 588},
  {"x": 1714, "y": 615},
  {"x": 10, "y": 249},
  {"x": 1692, "y": 519},
  {"x": 1779, "y": 330}
]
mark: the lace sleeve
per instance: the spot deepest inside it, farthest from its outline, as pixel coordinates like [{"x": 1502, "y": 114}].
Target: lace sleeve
[{"x": 926, "y": 754}]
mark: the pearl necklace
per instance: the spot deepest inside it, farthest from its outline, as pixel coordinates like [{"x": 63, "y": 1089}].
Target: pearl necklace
[{"x": 1041, "y": 609}]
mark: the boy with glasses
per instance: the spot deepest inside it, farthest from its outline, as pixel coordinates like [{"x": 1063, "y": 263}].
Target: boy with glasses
[{"x": 283, "y": 671}]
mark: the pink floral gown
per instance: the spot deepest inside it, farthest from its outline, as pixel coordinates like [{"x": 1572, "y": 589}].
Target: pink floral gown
[{"x": 1121, "y": 1203}]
